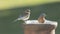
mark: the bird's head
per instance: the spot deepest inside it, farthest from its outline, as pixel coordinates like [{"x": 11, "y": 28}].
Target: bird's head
[
  {"x": 27, "y": 11},
  {"x": 43, "y": 15},
  {"x": 42, "y": 18}
]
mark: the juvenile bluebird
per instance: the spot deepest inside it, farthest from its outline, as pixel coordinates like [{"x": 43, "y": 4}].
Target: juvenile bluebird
[
  {"x": 41, "y": 18},
  {"x": 25, "y": 16}
]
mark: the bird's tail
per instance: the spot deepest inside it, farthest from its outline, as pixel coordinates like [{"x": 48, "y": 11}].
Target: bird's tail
[{"x": 14, "y": 21}]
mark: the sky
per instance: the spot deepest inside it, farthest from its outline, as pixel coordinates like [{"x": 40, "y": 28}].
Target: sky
[{"x": 8, "y": 4}]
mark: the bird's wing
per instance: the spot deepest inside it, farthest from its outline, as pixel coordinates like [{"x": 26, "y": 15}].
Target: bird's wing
[{"x": 20, "y": 17}]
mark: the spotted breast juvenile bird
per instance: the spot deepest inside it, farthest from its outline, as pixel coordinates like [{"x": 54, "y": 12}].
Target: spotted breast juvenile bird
[
  {"x": 24, "y": 17},
  {"x": 41, "y": 18}
]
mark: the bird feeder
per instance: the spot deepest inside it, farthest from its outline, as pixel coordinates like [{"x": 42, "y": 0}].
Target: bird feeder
[{"x": 39, "y": 29}]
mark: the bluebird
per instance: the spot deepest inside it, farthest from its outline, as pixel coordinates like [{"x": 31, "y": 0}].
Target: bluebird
[
  {"x": 41, "y": 18},
  {"x": 25, "y": 16}
]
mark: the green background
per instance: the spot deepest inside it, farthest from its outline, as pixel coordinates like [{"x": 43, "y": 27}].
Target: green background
[{"x": 7, "y": 16}]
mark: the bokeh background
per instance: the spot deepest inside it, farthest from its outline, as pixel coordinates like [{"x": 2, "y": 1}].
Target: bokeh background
[{"x": 11, "y": 9}]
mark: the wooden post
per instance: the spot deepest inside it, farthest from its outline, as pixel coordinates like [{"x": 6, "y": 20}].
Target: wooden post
[{"x": 38, "y": 28}]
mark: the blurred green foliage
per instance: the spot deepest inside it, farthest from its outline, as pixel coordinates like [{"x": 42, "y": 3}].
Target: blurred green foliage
[{"x": 7, "y": 16}]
